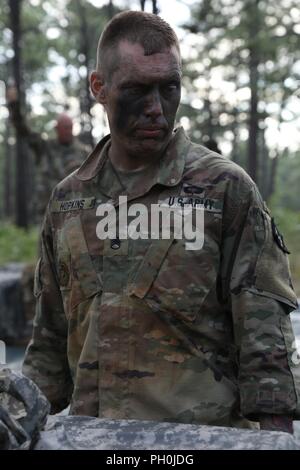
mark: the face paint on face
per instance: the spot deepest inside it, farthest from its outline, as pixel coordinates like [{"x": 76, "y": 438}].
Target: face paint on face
[{"x": 142, "y": 100}]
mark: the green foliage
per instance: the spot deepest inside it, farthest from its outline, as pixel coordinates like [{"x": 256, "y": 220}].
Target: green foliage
[
  {"x": 17, "y": 244},
  {"x": 36, "y": 44},
  {"x": 287, "y": 183},
  {"x": 285, "y": 205}
]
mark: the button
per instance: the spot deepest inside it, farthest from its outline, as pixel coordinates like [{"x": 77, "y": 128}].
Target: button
[
  {"x": 173, "y": 180},
  {"x": 115, "y": 244}
]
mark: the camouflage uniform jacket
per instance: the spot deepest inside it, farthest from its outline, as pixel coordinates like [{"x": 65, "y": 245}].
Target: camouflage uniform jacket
[{"x": 151, "y": 330}]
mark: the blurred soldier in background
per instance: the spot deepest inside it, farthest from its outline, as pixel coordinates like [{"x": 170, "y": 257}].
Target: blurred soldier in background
[{"x": 54, "y": 159}]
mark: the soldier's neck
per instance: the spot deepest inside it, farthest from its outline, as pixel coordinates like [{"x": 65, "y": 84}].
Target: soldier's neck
[{"x": 126, "y": 162}]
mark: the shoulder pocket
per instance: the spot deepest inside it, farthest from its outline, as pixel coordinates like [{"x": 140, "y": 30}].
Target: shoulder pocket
[
  {"x": 174, "y": 280},
  {"x": 272, "y": 273}
]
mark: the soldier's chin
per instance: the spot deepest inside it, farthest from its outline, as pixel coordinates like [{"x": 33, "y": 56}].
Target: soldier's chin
[{"x": 152, "y": 145}]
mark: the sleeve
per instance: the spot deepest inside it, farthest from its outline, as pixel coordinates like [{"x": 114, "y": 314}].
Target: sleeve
[
  {"x": 34, "y": 140},
  {"x": 46, "y": 361},
  {"x": 260, "y": 297}
]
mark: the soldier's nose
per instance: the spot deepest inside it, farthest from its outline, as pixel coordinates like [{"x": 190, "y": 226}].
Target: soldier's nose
[{"x": 153, "y": 106}]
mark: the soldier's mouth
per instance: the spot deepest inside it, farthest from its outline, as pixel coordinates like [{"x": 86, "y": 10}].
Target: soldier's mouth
[{"x": 151, "y": 132}]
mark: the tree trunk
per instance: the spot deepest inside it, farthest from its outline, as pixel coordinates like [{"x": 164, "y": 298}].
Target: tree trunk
[
  {"x": 110, "y": 9},
  {"x": 273, "y": 172},
  {"x": 253, "y": 72},
  {"x": 86, "y": 102},
  {"x": 274, "y": 163},
  {"x": 154, "y": 6},
  {"x": 8, "y": 203},
  {"x": 21, "y": 163},
  {"x": 253, "y": 119},
  {"x": 207, "y": 125},
  {"x": 264, "y": 173},
  {"x": 234, "y": 130}
]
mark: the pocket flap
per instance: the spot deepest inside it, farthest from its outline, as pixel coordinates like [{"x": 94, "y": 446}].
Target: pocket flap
[
  {"x": 149, "y": 269},
  {"x": 80, "y": 257}
]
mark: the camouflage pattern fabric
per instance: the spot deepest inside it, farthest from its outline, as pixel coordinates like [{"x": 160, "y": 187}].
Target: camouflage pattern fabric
[
  {"x": 23, "y": 411},
  {"x": 83, "y": 433},
  {"x": 148, "y": 330}
]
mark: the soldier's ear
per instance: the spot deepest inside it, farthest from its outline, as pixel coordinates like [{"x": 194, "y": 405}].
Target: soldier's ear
[{"x": 98, "y": 87}]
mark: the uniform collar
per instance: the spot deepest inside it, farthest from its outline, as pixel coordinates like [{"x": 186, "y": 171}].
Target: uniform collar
[
  {"x": 169, "y": 170},
  {"x": 95, "y": 161}
]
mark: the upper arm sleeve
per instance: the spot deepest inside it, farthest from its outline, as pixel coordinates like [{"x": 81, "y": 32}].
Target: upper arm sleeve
[{"x": 261, "y": 296}]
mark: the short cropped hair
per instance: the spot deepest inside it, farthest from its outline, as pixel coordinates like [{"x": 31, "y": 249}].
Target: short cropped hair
[{"x": 149, "y": 30}]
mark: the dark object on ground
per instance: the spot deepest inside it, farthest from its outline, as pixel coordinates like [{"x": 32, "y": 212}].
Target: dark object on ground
[
  {"x": 23, "y": 411},
  {"x": 12, "y": 315}
]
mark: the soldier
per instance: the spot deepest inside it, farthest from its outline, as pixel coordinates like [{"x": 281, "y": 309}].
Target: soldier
[
  {"x": 141, "y": 327},
  {"x": 55, "y": 158}
]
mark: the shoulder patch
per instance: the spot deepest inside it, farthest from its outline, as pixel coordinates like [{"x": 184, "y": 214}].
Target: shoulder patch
[
  {"x": 73, "y": 205},
  {"x": 278, "y": 237},
  {"x": 192, "y": 189}
]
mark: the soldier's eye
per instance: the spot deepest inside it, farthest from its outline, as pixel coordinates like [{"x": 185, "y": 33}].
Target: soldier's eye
[{"x": 171, "y": 87}]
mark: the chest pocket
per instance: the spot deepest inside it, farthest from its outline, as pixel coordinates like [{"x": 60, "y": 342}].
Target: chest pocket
[
  {"x": 77, "y": 276},
  {"x": 175, "y": 280}
]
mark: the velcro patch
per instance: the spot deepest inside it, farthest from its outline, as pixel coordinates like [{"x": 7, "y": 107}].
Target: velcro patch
[
  {"x": 278, "y": 237},
  {"x": 207, "y": 204},
  {"x": 73, "y": 205},
  {"x": 193, "y": 189}
]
